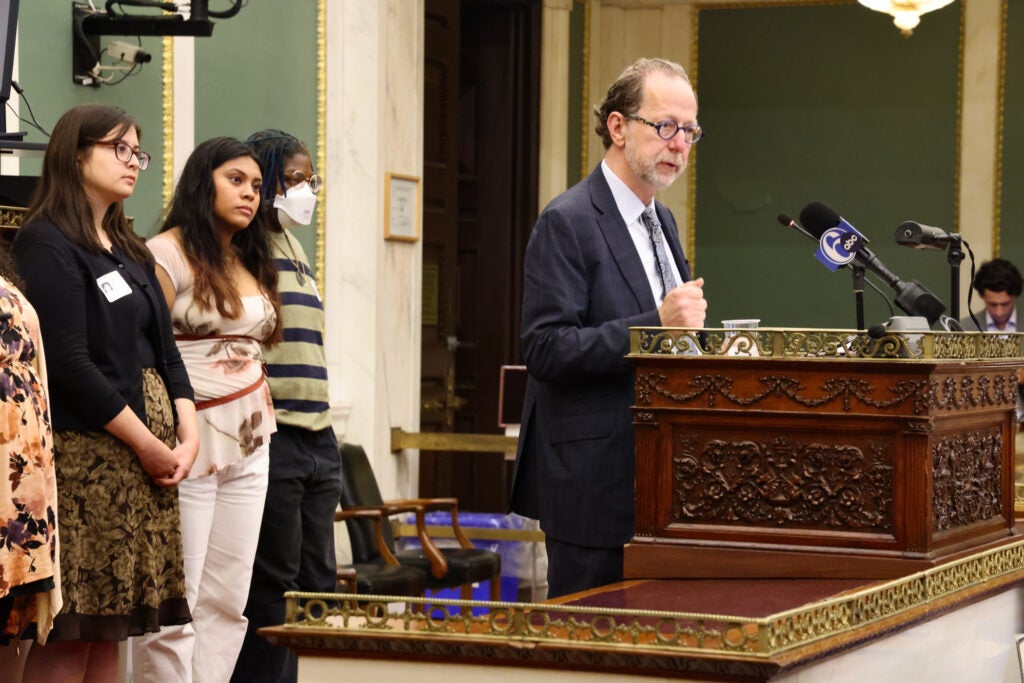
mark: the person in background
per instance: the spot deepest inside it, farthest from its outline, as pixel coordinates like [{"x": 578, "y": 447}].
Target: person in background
[
  {"x": 998, "y": 283},
  {"x": 114, "y": 371},
  {"x": 214, "y": 266},
  {"x": 30, "y": 589},
  {"x": 603, "y": 256},
  {"x": 296, "y": 548}
]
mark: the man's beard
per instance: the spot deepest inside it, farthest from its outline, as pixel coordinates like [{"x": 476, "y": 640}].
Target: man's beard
[{"x": 648, "y": 172}]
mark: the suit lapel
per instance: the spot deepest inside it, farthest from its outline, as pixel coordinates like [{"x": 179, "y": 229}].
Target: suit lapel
[{"x": 616, "y": 235}]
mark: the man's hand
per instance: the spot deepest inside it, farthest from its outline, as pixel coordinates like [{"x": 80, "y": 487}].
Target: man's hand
[{"x": 684, "y": 306}]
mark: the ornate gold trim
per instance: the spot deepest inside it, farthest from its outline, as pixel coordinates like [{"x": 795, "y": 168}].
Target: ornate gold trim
[
  {"x": 957, "y": 156},
  {"x": 585, "y": 85},
  {"x": 321, "y": 141},
  {"x": 167, "y": 88},
  {"x": 789, "y": 343},
  {"x": 691, "y": 181},
  {"x": 739, "y": 638},
  {"x": 997, "y": 208},
  {"x": 11, "y": 217}
]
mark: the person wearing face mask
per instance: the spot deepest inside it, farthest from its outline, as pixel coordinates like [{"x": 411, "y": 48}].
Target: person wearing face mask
[{"x": 296, "y": 545}]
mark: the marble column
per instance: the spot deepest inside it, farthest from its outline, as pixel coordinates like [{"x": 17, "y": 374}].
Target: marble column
[
  {"x": 554, "y": 94},
  {"x": 980, "y": 136},
  {"x": 622, "y": 31},
  {"x": 372, "y": 286}
]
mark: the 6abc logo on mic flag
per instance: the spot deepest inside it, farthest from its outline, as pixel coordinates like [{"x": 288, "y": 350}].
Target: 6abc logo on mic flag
[{"x": 839, "y": 245}]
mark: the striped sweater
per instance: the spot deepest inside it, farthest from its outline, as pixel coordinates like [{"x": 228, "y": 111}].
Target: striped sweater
[{"x": 297, "y": 367}]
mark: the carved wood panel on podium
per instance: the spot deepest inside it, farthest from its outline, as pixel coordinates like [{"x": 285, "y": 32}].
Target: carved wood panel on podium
[{"x": 820, "y": 454}]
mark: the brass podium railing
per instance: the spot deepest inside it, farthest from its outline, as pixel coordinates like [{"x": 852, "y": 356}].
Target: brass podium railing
[
  {"x": 786, "y": 343},
  {"x": 669, "y": 632}
]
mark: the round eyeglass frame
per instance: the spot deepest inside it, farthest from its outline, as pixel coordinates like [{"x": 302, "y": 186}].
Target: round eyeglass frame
[
  {"x": 119, "y": 152},
  {"x": 315, "y": 182},
  {"x": 691, "y": 133}
]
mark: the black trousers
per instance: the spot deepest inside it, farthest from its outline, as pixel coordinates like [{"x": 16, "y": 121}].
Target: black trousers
[
  {"x": 296, "y": 546},
  {"x": 573, "y": 568}
]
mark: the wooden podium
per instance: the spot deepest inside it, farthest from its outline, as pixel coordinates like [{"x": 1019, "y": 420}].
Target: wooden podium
[{"x": 813, "y": 453}]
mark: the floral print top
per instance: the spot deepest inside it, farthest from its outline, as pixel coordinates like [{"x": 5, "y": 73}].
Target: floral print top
[
  {"x": 28, "y": 488},
  {"x": 234, "y": 411}
]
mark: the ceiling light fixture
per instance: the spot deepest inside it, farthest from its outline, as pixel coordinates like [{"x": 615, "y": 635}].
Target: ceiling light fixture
[{"x": 906, "y": 14}]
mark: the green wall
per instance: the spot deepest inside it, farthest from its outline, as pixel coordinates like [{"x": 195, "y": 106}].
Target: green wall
[
  {"x": 44, "y": 65},
  {"x": 256, "y": 71},
  {"x": 825, "y": 103},
  {"x": 259, "y": 71},
  {"x": 1012, "y": 205}
]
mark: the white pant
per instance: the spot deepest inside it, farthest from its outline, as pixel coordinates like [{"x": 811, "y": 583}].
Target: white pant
[{"x": 220, "y": 526}]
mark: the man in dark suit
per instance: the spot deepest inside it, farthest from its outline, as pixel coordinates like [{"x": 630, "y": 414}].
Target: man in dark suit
[{"x": 595, "y": 266}]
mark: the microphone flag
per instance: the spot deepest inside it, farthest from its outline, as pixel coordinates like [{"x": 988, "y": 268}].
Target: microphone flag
[{"x": 839, "y": 245}]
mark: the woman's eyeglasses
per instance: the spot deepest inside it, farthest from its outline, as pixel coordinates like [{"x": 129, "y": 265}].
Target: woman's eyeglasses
[{"x": 123, "y": 151}]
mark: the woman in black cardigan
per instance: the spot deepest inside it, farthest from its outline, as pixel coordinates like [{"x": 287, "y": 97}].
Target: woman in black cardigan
[{"x": 119, "y": 393}]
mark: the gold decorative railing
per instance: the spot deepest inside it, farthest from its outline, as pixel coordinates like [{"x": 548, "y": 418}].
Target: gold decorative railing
[
  {"x": 11, "y": 217},
  {"x": 789, "y": 344},
  {"x": 676, "y": 632}
]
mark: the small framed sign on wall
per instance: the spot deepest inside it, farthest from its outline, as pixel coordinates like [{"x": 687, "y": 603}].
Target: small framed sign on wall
[{"x": 401, "y": 207}]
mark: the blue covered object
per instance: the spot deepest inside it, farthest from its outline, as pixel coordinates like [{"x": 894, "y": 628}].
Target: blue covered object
[{"x": 516, "y": 557}]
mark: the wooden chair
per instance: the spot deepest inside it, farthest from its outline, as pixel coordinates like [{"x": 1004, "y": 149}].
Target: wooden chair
[
  {"x": 388, "y": 577},
  {"x": 443, "y": 567}
]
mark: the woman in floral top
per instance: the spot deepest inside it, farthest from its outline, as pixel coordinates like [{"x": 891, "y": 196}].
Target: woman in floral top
[
  {"x": 29, "y": 574},
  {"x": 214, "y": 266}
]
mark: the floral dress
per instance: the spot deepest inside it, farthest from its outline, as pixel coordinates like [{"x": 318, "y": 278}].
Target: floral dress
[
  {"x": 29, "y": 576},
  {"x": 234, "y": 410}
]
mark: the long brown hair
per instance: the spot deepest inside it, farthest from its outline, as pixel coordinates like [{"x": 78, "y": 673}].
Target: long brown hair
[
  {"x": 60, "y": 194},
  {"x": 191, "y": 211}
]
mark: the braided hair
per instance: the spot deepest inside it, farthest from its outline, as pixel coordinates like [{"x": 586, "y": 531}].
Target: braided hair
[{"x": 273, "y": 148}]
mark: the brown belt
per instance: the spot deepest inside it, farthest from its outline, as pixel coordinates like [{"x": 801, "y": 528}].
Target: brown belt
[{"x": 203, "y": 405}]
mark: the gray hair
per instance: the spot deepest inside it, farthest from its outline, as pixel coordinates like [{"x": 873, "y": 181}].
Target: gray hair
[{"x": 626, "y": 93}]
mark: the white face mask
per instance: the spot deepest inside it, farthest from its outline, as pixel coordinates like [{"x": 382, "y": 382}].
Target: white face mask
[{"x": 296, "y": 207}]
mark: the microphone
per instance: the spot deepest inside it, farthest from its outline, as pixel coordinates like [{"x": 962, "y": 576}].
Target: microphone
[
  {"x": 790, "y": 223},
  {"x": 877, "y": 331},
  {"x": 912, "y": 297},
  {"x": 911, "y": 234}
]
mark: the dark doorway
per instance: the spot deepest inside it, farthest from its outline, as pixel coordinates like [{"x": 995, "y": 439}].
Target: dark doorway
[{"x": 481, "y": 80}]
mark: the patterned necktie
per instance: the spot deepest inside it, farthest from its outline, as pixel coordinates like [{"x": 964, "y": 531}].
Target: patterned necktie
[{"x": 650, "y": 221}]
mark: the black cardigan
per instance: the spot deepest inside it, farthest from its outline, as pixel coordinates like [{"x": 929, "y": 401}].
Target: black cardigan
[{"x": 91, "y": 344}]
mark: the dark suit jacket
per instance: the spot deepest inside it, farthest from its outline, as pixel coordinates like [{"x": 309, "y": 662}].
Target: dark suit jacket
[{"x": 584, "y": 287}]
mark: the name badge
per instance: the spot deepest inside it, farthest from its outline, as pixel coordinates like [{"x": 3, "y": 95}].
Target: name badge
[{"x": 113, "y": 286}]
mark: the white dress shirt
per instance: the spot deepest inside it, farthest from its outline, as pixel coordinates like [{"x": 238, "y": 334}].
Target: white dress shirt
[{"x": 630, "y": 208}]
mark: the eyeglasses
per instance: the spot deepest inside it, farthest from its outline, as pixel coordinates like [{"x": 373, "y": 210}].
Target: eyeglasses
[
  {"x": 315, "y": 181},
  {"x": 123, "y": 151},
  {"x": 668, "y": 129}
]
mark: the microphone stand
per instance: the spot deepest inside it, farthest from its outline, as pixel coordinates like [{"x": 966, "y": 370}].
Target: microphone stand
[
  {"x": 954, "y": 256},
  {"x": 858, "y": 292}
]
